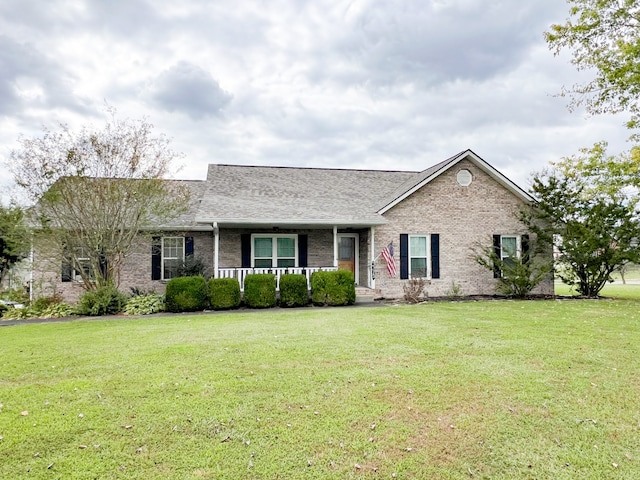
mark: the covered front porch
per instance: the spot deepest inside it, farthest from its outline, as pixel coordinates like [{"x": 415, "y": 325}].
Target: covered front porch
[{"x": 240, "y": 250}]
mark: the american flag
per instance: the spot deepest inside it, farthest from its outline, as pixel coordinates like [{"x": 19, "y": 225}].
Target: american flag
[{"x": 387, "y": 254}]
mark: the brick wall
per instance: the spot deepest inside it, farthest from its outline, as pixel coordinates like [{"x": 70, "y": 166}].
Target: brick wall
[
  {"x": 135, "y": 271},
  {"x": 463, "y": 217}
]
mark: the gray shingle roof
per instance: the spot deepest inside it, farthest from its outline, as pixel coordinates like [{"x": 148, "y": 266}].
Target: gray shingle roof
[
  {"x": 187, "y": 220},
  {"x": 251, "y": 194},
  {"x": 255, "y": 195}
]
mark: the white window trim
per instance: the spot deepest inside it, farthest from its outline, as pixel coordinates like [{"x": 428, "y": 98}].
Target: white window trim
[
  {"x": 427, "y": 236},
  {"x": 518, "y": 246},
  {"x": 163, "y": 257},
  {"x": 274, "y": 247}
]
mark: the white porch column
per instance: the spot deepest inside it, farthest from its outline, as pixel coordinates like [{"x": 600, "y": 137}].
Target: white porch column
[
  {"x": 372, "y": 280},
  {"x": 216, "y": 245},
  {"x": 335, "y": 246}
]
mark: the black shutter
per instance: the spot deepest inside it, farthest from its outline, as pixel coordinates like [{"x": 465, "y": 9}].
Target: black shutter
[
  {"x": 303, "y": 247},
  {"x": 245, "y": 246},
  {"x": 404, "y": 256},
  {"x": 525, "y": 248},
  {"x": 156, "y": 258},
  {"x": 67, "y": 271},
  {"x": 188, "y": 246},
  {"x": 435, "y": 255},
  {"x": 497, "y": 249}
]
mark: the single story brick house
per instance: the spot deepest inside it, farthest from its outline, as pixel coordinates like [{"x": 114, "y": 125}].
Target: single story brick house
[{"x": 246, "y": 219}]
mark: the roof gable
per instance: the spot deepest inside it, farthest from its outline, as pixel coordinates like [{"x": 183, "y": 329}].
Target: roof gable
[{"x": 423, "y": 178}]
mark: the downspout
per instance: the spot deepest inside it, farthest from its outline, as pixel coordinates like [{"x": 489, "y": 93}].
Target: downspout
[{"x": 216, "y": 245}]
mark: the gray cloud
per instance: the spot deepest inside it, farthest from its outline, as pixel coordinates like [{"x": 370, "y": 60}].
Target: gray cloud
[
  {"x": 364, "y": 83},
  {"x": 29, "y": 79},
  {"x": 188, "y": 89}
]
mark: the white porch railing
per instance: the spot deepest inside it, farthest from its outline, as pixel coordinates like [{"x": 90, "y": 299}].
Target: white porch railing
[{"x": 241, "y": 273}]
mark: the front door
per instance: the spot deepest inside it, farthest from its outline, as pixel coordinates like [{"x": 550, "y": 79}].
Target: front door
[{"x": 348, "y": 253}]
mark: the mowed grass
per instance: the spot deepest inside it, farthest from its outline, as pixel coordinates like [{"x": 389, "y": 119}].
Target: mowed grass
[{"x": 492, "y": 389}]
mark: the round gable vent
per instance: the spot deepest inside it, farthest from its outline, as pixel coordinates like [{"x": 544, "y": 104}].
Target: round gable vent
[{"x": 464, "y": 178}]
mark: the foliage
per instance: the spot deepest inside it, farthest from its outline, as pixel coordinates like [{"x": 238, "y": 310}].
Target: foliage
[
  {"x": 260, "y": 290},
  {"x": 145, "y": 304},
  {"x": 137, "y": 291},
  {"x": 333, "y": 288},
  {"x": 42, "y": 303},
  {"x": 18, "y": 295},
  {"x": 18, "y": 313},
  {"x": 224, "y": 293},
  {"x": 294, "y": 291},
  {"x": 3, "y": 308},
  {"x": 415, "y": 290},
  {"x": 587, "y": 208},
  {"x": 186, "y": 294},
  {"x": 96, "y": 190},
  {"x": 455, "y": 290},
  {"x": 57, "y": 310},
  {"x": 193, "y": 266},
  {"x": 604, "y": 38},
  {"x": 518, "y": 275},
  {"x": 106, "y": 300},
  {"x": 14, "y": 238}
]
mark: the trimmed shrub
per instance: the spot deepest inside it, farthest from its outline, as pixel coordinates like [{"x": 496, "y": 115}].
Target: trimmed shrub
[
  {"x": 186, "y": 294},
  {"x": 224, "y": 293},
  {"x": 260, "y": 290},
  {"x": 293, "y": 290},
  {"x": 3, "y": 308},
  {"x": 333, "y": 288},
  {"x": 105, "y": 300},
  {"x": 145, "y": 304}
]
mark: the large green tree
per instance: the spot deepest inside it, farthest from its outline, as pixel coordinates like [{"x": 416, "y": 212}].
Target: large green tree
[
  {"x": 96, "y": 190},
  {"x": 587, "y": 207},
  {"x": 14, "y": 238},
  {"x": 603, "y": 37}
]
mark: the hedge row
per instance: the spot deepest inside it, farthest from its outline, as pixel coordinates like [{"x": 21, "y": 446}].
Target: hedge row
[{"x": 189, "y": 294}]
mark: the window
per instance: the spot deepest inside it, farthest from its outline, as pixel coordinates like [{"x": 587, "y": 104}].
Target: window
[
  {"x": 83, "y": 264},
  {"x": 509, "y": 249},
  {"x": 172, "y": 256},
  {"x": 270, "y": 251},
  {"x": 418, "y": 255}
]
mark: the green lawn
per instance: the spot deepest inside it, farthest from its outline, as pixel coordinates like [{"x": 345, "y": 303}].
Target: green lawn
[{"x": 466, "y": 390}]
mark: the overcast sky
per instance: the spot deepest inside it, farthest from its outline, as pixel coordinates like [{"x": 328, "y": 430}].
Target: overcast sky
[{"x": 397, "y": 85}]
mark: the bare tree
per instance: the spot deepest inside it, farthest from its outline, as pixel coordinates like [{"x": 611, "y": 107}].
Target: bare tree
[{"x": 96, "y": 190}]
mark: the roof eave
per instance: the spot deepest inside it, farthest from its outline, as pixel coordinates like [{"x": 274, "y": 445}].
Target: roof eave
[{"x": 284, "y": 223}]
